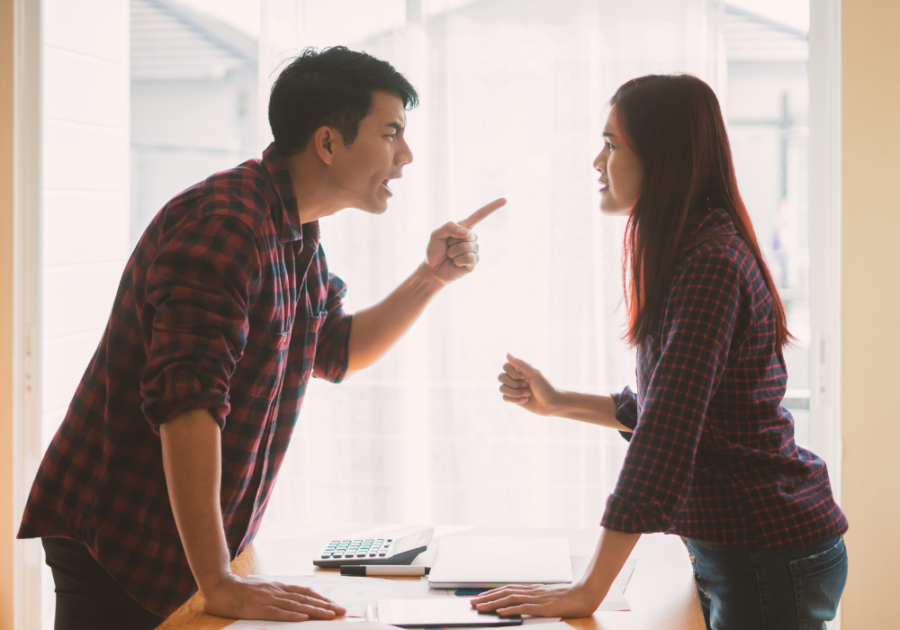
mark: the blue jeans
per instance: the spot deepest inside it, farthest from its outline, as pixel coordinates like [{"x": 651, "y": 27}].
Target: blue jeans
[{"x": 769, "y": 589}]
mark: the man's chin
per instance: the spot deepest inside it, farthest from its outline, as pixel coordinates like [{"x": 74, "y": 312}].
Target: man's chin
[{"x": 373, "y": 208}]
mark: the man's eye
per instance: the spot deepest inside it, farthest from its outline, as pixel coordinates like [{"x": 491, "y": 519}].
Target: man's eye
[{"x": 611, "y": 147}]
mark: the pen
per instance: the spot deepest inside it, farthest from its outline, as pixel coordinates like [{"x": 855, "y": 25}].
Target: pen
[{"x": 384, "y": 569}]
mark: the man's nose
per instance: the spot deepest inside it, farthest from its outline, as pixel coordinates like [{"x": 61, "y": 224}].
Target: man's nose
[{"x": 405, "y": 155}]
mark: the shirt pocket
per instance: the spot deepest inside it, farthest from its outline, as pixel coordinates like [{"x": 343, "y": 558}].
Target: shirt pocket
[
  {"x": 265, "y": 370},
  {"x": 311, "y": 330}
]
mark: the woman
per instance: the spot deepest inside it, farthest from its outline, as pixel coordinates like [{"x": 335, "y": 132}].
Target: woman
[{"x": 712, "y": 456}]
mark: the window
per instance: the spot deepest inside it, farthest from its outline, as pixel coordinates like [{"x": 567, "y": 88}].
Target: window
[
  {"x": 512, "y": 104},
  {"x": 513, "y": 98}
]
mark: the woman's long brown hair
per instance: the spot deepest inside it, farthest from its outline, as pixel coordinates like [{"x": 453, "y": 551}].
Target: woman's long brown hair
[{"x": 675, "y": 125}]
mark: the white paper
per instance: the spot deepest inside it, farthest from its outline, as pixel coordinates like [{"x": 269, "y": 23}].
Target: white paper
[
  {"x": 553, "y": 624},
  {"x": 615, "y": 598},
  {"x": 353, "y": 593},
  {"x": 309, "y": 625}
]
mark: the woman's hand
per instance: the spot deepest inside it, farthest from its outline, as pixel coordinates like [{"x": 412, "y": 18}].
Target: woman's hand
[
  {"x": 568, "y": 602},
  {"x": 527, "y": 387}
]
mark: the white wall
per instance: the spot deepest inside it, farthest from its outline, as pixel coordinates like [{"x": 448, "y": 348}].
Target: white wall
[
  {"x": 182, "y": 131},
  {"x": 85, "y": 168},
  {"x": 85, "y": 172}
]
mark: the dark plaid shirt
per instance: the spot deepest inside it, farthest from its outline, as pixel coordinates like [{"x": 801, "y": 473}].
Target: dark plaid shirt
[
  {"x": 713, "y": 456},
  {"x": 227, "y": 305}
]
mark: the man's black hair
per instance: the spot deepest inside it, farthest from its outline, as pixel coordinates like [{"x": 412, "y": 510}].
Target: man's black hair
[{"x": 330, "y": 87}]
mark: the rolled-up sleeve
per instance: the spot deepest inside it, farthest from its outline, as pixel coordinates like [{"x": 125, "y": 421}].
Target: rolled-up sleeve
[
  {"x": 333, "y": 345},
  {"x": 626, "y": 411},
  {"x": 200, "y": 287},
  {"x": 699, "y": 319}
]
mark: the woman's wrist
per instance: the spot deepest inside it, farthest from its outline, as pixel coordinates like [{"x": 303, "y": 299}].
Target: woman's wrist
[
  {"x": 559, "y": 404},
  {"x": 592, "y": 594}
]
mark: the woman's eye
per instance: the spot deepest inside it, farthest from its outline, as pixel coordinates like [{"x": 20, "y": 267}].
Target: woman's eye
[{"x": 611, "y": 147}]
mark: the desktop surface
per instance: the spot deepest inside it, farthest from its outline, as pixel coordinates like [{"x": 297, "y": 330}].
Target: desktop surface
[{"x": 661, "y": 591}]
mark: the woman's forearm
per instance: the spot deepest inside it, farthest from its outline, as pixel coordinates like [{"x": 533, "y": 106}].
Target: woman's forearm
[
  {"x": 612, "y": 551},
  {"x": 599, "y": 410}
]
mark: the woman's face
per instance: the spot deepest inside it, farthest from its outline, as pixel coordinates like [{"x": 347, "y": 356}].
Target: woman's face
[{"x": 621, "y": 171}]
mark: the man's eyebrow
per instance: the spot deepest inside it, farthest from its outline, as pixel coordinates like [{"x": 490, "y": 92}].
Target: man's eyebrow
[
  {"x": 607, "y": 134},
  {"x": 396, "y": 126}
]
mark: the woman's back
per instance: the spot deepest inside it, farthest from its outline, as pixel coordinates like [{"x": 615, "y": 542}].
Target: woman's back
[{"x": 713, "y": 448}]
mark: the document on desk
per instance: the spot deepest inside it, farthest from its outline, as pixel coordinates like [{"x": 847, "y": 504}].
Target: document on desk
[
  {"x": 353, "y": 593},
  {"x": 309, "y": 625},
  {"x": 615, "y": 598}
]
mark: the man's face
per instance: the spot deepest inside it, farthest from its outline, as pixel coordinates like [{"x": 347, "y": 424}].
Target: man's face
[{"x": 362, "y": 171}]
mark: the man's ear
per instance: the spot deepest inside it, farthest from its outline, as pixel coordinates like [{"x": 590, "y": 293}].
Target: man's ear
[{"x": 325, "y": 140}]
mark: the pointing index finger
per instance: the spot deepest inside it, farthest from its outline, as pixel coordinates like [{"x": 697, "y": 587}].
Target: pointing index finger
[{"x": 482, "y": 212}]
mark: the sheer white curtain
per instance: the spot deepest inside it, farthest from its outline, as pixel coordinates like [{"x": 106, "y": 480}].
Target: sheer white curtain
[{"x": 513, "y": 102}]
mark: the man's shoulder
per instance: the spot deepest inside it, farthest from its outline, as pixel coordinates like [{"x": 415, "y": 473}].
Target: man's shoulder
[{"x": 243, "y": 193}]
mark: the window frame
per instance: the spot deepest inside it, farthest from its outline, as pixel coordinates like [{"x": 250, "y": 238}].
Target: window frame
[
  {"x": 27, "y": 452},
  {"x": 825, "y": 269},
  {"x": 825, "y": 235}
]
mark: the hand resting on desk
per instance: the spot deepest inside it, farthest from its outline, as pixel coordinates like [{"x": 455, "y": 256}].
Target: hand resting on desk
[
  {"x": 253, "y": 598},
  {"x": 578, "y": 600},
  {"x": 540, "y": 600}
]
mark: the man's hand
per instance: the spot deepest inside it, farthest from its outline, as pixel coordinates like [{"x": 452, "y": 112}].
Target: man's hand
[
  {"x": 452, "y": 253},
  {"x": 192, "y": 461},
  {"x": 453, "y": 249},
  {"x": 252, "y": 598},
  {"x": 527, "y": 387}
]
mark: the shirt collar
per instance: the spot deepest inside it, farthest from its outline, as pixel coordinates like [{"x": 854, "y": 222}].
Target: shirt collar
[
  {"x": 287, "y": 214},
  {"x": 715, "y": 223}
]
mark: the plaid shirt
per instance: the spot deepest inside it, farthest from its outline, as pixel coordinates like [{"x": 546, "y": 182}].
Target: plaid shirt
[
  {"x": 712, "y": 456},
  {"x": 227, "y": 305}
]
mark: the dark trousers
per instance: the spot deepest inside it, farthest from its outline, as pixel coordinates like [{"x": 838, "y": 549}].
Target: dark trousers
[{"x": 87, "y": 597}]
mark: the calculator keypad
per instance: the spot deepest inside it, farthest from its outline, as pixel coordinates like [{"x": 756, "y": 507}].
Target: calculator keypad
[{"x": 359, "y": 548}]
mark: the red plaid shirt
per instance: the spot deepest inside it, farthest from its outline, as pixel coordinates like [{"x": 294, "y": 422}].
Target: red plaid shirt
[
  {"x": 712, "y": 456},
  {"x": 227, "y": 305}
]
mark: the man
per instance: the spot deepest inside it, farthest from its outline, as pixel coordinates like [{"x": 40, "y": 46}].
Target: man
[{"x": 162, "y": 469}]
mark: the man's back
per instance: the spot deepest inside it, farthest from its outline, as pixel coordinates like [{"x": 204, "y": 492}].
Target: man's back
[{"x": 226, "y": 305}]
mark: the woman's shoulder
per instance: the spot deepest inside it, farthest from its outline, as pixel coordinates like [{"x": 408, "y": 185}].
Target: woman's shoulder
[
  {"x": 720, "y": 275},
  {"x": 719, "y": 257},
  {"x": 714, "y": 245}
]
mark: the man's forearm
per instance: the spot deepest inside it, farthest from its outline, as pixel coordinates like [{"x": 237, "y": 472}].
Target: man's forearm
[
  {"x": 377, "y": 328},
  {"x": 192, "y": 459},
  {"x": 600, "y": 410}
]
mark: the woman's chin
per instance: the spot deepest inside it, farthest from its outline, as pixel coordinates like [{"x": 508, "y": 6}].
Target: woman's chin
[{"x": 613, "y": 210}]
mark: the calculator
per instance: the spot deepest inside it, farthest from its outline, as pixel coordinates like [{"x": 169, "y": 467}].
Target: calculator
[{"x": 384, "y": 550}]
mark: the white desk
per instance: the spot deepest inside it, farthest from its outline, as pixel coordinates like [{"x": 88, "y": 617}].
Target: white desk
[{"x": 661, "y": 591}]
